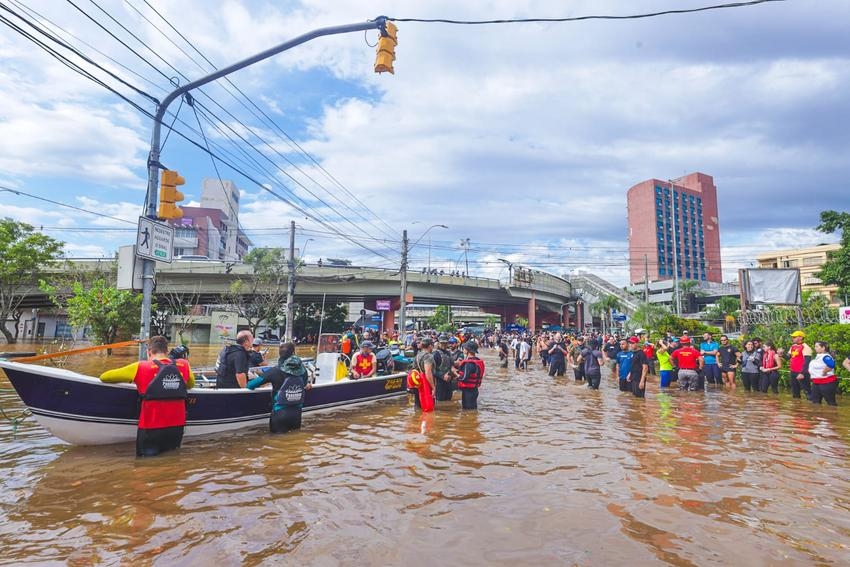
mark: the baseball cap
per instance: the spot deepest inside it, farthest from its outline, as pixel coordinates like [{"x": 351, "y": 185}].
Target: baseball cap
[
  {"x": 798, "y": 334},
  {"x": 685, "y": 340},
  {"x": 470, "y": 346},
  {"x": 426, "y": 342},
  {"x": 640, "y": 331},
  {"x": 367, "y": 344},
  {"x": 257, "y": 342},
  {"x": 633, "y": 340}
]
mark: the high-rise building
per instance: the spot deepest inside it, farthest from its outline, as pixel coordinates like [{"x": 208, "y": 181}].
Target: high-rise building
[
  {"x": 673, "y": 226},
  {"x": 212, "y": 230}
]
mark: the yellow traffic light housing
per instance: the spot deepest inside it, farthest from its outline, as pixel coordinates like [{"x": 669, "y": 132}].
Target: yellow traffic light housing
[
  {"x": 169, "y": 195},
  {"x": 386, "y": 49}
]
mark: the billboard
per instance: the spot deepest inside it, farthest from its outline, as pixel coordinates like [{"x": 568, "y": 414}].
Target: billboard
[
  {"x": 382, "y": 305},
  {"x": 844, "y": 314},
  {"x": 772, "y": 286}
]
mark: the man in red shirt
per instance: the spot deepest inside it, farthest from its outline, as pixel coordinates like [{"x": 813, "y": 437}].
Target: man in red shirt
[
  {"x": 162, "y": 417},
  {"x": 687, "y": 359},
  {"x": 799, "y": 356}
]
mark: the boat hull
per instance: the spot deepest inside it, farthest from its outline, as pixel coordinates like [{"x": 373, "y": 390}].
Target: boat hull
[{"x": 82, "y": 410}]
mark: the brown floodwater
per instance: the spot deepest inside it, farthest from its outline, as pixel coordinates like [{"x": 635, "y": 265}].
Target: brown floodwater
[{"x": 546, "y": 473}]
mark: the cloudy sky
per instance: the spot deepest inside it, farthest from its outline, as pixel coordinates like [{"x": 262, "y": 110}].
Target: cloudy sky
[{"x": 523, "y": 138}]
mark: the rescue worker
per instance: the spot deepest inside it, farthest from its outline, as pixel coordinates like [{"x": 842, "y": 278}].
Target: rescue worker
[
  {"x": 575, "y": 353},
  {"x": 470, "y": 374},
  {"x": 799, "y": 357},
  {"x": 162, "y": 383},
  {"x": 255, "y": 356},
  {"x": 289, "y": 383},
  {"x": 687, "y": 360},
  {"x": 365, "y": 363},
  {"x": 424, "y": 364},
  {"x": 443, "y": 363},
  {"x": 232, "y": 364}
]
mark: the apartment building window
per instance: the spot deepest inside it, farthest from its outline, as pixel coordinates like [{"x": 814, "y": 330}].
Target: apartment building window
[{"x": 812, "y": 261}]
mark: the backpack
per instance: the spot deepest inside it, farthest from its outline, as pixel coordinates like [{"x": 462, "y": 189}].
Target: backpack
[
  {"x": 291, "y": 392},
  {"x": 168, "y": 384}
]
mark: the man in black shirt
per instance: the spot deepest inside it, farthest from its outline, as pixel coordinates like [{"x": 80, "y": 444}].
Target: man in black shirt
[
  {"x": 640, "y": 368},
  {"x": 232, "y": 365}
]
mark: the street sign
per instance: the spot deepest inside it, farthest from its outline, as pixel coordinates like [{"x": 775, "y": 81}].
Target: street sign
[
  {"x": 620, "y": 317},
  {"x": 377, "y": 317},
  {"x": 154, "y": 241},
  {"x": 382, "y": 304},
  {"x": 844, "y": 315}
]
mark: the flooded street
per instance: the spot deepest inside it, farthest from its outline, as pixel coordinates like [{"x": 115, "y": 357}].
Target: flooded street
[{"x": 546, "y": 473}]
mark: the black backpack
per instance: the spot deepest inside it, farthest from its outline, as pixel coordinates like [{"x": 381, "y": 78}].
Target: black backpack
[
  {"x": 168, "y": 384},
  {"x": 291, "y": 392}
]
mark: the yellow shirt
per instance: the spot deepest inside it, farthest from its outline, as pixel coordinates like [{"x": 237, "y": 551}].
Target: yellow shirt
[{"x": 128, "y": 374}]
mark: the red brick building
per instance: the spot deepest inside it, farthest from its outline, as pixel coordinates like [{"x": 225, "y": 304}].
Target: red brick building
[{"x": 674, "y": 224}]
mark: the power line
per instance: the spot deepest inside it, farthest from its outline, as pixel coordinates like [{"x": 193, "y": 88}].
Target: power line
[
  {"x": 82, "y": 210},
  {"x": 583, "y": 18},
  {"x": 292, "y": 143}
]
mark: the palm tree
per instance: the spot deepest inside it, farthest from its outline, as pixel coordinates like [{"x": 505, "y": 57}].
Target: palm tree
[
  {"x": 687, "y": 287},
  {"x": 604, "y": 308},
  {"x": 648, "y": 314}
]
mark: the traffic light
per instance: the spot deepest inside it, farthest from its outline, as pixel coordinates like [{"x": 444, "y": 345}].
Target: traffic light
[
  {"x": 386, "y": 49},
  {"x": 169, "y": 195}
]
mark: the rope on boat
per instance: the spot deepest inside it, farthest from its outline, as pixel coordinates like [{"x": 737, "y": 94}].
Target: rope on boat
[
  {"x": 15, "y": 421},
  {"x": 76, "y": 351}
]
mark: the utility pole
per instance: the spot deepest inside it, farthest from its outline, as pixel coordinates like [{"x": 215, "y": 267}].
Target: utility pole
[
  {"x": 403, "y": 299},
  {"x": 678, "y": 303},
  {"x": 645, "y": 278},
  {"x": 465, "y": 244},
  {"x": 290, "y": 292}
]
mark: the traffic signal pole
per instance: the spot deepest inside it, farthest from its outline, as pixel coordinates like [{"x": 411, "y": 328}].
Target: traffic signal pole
[{"x": 379, "y": 23}]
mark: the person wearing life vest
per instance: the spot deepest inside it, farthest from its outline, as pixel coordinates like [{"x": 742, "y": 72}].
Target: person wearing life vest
[
  {"x": 687, "y": 359},
  {"x": 424, "y": 367},
  {"x": 364, "y": 364},
  {"x": 469, "y": 376},
  {"x": 443, "y": 363},
  {"x": 799, "y": 357},
  {"x": 162, "y": 383},
  {"x": 822, "y": 371},
  {"x": 289, "y": 387}
]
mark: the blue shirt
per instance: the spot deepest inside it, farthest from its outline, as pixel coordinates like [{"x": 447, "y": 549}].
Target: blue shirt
[
  {"x": 624, "y": 363},
  {"x": 708, "y": 347}
]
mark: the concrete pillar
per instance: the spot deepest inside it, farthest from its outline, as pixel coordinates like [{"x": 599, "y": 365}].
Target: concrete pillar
[{"x": 532, "y": 313}]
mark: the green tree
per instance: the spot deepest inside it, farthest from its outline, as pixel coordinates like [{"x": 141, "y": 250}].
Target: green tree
[
  {"x": 648, "y": 315},
  {"x": 24, "y": 254},
  {"x": 836, "y": 270},
  {"x": 261, "y": 296},
  {"x": 604, "y": 309},
  {"x": 440, "y": 319},
  {"x": 307, "y": 317},
  {"x": 111, "y": 314}
]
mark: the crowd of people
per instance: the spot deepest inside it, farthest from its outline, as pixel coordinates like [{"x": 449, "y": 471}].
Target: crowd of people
[
  {"x": 691, "y": 364},
  {"x": 443, "y": 363}
]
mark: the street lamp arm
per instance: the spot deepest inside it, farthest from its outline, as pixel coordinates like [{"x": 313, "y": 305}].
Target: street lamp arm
[{"x": 427, "y": 230}]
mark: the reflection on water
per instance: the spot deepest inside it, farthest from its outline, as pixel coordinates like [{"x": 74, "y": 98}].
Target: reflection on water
[{"x": 547, "y": 472}]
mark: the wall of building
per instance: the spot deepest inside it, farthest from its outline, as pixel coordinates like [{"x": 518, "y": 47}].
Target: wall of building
[{"x": 809, "y": 261}]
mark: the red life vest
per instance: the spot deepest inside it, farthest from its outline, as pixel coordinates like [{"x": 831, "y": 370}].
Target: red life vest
[
  {"x": 363, "y": 364},
  {"x": 769, "y": 359},
  {"x": 156, "y": 414},
  {"x": 796, "y": 360},
  {"x": 476, "y": 373}
]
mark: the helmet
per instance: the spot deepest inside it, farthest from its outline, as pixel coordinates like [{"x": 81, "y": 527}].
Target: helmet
[
  {"x": 798, "y": 334},
  {"x": 180, "y": 351},
  {"x": 453, "y": 340}
]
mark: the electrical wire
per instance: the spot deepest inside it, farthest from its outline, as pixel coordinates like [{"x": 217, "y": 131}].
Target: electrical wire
[
  {"x": 583, "y": 18},
  {"x": 292, "y": 143},
  {"x": 51, "y": 201}
]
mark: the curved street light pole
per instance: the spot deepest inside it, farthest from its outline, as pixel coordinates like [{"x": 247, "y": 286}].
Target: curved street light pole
[
  {"x": 510, "y": 270},
  {"x": 405, "y": 248},
  {"x": 154, "y": 164}
]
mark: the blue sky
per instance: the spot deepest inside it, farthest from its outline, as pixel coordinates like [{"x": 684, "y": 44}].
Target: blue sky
[{"x": 522, "y": 138}]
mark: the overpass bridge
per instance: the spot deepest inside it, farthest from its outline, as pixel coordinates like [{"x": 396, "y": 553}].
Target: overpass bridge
[{"x": 538, "y": 296}]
